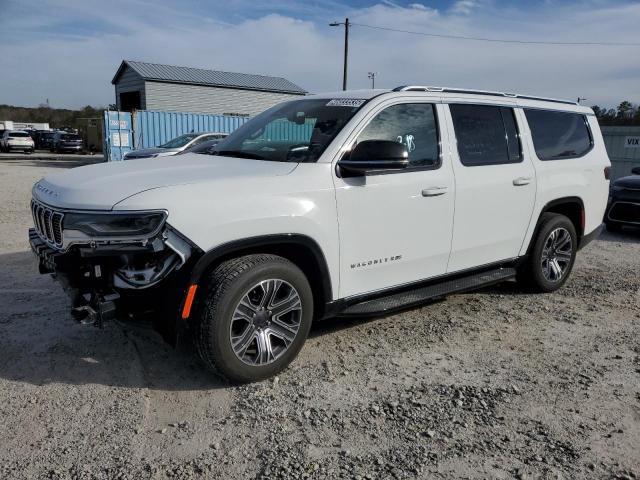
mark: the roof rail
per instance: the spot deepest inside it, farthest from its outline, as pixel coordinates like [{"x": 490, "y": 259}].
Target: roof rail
[{"x": 420, "y": 88}]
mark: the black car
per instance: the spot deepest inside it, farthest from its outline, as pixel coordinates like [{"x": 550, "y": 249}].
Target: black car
[
  {"x": 43, "y": 139},
  {"x": 66, "y": 142},
  {"x": 624, "y": 202}
]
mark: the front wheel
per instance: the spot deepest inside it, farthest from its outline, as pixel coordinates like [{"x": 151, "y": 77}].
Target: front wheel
[
  {"x": 255, "y": 318},
  {"x": 552, "y": 256}
]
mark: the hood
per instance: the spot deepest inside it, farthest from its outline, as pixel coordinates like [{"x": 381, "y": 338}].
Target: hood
[
  {"x": 632, "y": 181},
  {"x": 101, "y": 186}
]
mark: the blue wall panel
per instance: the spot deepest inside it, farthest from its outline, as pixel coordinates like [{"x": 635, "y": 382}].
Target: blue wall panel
[{"x": 153, "y": 128}]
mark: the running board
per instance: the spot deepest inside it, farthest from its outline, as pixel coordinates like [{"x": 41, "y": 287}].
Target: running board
[{"x": 422, "y": 294}]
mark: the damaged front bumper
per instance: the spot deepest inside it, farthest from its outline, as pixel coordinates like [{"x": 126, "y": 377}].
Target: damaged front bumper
[{"x": 133, "y": 279}]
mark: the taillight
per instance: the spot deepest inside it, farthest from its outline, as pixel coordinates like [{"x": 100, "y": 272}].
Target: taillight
[{"x": 607, "y": 173}]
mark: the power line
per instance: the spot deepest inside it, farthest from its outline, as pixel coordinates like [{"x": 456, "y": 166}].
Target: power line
[{"x": 498, "y": 40}]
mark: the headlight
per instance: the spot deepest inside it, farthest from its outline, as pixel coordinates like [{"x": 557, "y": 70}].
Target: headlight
[{"x": 115, "y": 224}]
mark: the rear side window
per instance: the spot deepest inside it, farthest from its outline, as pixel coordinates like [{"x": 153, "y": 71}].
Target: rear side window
[
  {"x": 486, "y": 135},
  {"x": 558, "y": 135}
]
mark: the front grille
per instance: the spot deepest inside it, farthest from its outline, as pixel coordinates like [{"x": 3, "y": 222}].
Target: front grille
[
  {"x": 625, "y": 212},
  {"x": 48, "y": 223}
]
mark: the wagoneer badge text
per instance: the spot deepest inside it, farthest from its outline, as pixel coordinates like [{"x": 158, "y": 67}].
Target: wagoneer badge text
[{"x": 377, "y": 261}]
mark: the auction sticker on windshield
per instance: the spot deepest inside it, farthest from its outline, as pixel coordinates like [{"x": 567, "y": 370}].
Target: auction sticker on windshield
[{"x": 346, "y": 102}]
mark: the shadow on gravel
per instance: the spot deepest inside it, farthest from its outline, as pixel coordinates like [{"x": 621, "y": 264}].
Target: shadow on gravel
[
  {"x": 40, "y": 343},
  {"x": 52, "y": 162}
]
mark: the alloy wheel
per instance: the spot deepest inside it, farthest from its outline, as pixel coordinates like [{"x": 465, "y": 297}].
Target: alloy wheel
[
  {"x": 557, "y": 254},
  {"x": 265, "y": 322}
]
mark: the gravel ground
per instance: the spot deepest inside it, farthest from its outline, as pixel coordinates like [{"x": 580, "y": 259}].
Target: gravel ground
[{"x": 491, "y": 384}]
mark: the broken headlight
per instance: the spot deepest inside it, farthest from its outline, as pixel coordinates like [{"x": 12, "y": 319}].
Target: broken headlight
[{"x": 116, "y": 224}]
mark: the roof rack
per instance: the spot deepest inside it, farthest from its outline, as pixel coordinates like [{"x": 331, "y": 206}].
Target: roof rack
[{"x": 420, "y": 88}]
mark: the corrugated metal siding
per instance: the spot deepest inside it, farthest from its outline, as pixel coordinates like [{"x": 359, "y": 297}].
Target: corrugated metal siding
[
  {"x": 211, "y": 100},
  {"x": 155, "y": 128},
  {"x": 282, "y": 130},
  {"x": 130, "y": 81},
  {"x": 623, "y": 159}
]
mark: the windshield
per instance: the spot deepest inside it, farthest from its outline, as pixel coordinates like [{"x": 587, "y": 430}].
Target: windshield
[
  {"x": 180, "y": 141},
  {"x": 70, "y": 136},
  {"x": 297, "y": 131}
]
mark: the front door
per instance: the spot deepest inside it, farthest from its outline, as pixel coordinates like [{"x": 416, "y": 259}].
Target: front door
[
  {"x": 495, "y": 185},
  {"x": 396, "y": 227}
]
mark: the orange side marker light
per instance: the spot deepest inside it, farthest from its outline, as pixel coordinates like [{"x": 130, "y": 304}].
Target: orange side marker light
[{"x": 188, "y": 302}]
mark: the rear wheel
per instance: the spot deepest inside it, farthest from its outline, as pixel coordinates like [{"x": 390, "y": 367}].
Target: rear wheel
[
  {"x": 552, "y": 256},
  {"x": 255, "y": 318}
]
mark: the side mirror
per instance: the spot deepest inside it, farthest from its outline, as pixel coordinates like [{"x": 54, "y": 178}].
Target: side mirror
[
  {"x": 635, "y": 171},
  {"x": 375, "y": 156}
]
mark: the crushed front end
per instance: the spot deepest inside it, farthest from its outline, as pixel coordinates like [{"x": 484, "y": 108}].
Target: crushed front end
[{"x": 130, "y": 264}]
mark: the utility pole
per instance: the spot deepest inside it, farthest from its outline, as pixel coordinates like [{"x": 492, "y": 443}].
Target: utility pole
[
  {"x": 372, "y": 77},
  {"x": 346, "y": 48}
]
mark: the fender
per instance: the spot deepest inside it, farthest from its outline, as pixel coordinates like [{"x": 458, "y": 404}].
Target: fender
[
  {"x": 251, "y": 245},
  {"x": 552, "y": 207}
]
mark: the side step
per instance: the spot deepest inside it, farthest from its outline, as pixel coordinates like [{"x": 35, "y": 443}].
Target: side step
[{"x": 434, "y": 290}]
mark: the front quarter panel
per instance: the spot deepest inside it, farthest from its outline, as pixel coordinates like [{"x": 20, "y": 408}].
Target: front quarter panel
[{"x": 213, "y": 213}]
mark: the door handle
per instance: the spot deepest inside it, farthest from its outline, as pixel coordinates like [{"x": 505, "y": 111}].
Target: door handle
[
  {"x": 434, "y": 191},
  {"x": 520, "y": 181}
]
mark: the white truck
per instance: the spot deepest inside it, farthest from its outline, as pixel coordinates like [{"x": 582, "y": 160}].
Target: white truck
[{"x": 352, "y": 203}]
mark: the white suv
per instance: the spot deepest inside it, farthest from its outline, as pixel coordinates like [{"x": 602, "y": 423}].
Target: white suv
[
  {"x": 16, "y": 140},
  {"x": 353, "y": 203}
]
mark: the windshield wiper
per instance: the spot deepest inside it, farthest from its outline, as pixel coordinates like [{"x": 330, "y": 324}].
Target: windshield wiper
[{"x": 239, "y": 153}]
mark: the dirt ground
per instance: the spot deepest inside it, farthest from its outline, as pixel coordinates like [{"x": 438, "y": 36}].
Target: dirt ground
[{"x": 491, "y": 384}]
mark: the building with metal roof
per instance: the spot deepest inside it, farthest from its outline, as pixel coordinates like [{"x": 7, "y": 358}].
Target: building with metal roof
[{"x": 151, "y": 86}]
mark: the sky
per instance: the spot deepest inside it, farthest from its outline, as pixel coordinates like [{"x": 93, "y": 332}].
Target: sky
[{"x": 67, "y": 51}]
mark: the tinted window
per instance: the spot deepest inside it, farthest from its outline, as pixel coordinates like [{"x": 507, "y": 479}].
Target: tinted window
[
  {"x": 412, "y": 124},
  {"x": 70, "y": 136},
  {"x": 558, "y": 135},
  {"x": 486, "y": 135},
  {"x": 18, "y": 134}
]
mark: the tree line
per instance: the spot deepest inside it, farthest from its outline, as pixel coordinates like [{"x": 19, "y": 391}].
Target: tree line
[
  {"x": 55, "y": 117},
  {"x": 627, "y": 113}
]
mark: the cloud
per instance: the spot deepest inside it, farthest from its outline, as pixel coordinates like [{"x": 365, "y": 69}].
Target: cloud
[
  {"x": 464, "y": 7},
  {"x": 72, "y": 61}
]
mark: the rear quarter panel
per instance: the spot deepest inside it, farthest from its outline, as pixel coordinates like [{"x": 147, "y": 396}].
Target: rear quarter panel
[{"x": 581, "y": 177}]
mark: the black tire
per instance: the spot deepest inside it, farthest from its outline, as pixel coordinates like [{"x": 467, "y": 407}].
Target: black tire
[
  {"x": 613, "y": 227},
  {"x": 228, "y": 285},
  {"x": 532, "y": 273}
]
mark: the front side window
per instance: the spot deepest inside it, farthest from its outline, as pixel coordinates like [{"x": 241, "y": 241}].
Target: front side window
[
  {"x": 296, "y": 131},
  {"x": 412, "y": 124},
  {"x": 558, "y": 135},
  {"x": 486, "y": 134}
]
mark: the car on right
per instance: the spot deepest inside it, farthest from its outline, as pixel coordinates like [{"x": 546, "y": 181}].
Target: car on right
[{"x": 624, "y": 202}]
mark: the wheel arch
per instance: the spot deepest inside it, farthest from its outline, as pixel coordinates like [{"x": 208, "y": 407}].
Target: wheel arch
[
  {"x": 300, "y": 249},
  {"x": 570, "y": 207}
]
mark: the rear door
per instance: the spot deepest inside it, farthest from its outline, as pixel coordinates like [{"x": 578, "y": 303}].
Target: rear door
[{"x": 495, "y": 185}]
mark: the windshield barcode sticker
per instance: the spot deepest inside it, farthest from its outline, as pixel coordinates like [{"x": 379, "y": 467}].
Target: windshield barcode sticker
[{"x": 346, "y": 102}]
